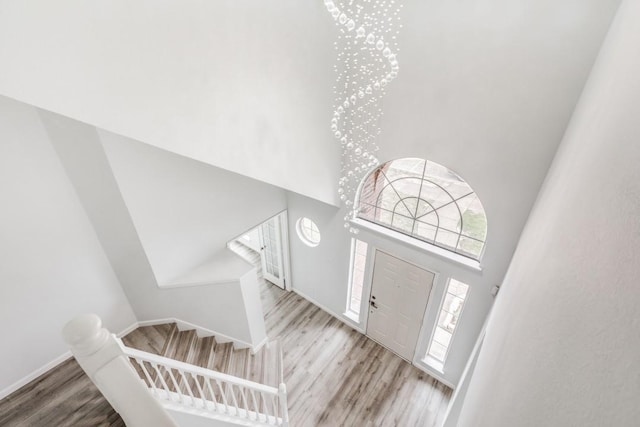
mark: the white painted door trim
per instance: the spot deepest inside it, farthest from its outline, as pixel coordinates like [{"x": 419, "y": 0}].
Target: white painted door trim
[
  {"x": 278, "y": 251},
  {"x": 286, "y": 258}
]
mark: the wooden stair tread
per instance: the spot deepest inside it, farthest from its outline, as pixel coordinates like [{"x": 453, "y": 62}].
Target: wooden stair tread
[
  {"x": 168, "y": 341},
  {"x": 149, "y": 338}
]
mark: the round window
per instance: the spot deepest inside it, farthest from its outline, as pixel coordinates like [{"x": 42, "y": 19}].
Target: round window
[{"x": 308, "y": 232}]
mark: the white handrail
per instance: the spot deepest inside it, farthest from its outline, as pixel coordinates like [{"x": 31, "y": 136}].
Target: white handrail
[
  {"x": 197, "y": 370},
  {"x": 142, "y": 386},
  {"x": 181, "y": 384}
]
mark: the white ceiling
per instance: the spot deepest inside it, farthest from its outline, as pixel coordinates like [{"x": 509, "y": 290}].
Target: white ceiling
[{"x": 486, "y": 87}]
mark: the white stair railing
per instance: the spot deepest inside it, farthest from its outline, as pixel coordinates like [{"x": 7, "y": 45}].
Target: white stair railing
[
  {"x": 142, "y": 386},
  {"x": 189, "y": 386}
]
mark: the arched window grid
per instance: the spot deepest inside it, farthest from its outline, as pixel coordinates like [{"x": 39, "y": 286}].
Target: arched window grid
[
  {"x": 433, "y": 209},
  {"x": 415, "y": 218}
]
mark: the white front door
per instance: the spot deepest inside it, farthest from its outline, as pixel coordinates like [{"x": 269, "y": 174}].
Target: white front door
[
  {"x": 399, "y": 295},
  {"x": 271, "y": 251}
]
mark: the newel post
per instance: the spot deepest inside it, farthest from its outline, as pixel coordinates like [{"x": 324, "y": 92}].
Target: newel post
[{"x": 101, "y": 355}]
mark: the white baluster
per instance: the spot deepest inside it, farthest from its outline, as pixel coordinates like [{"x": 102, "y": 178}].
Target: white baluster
[
  {"x": 233, "y": 397},
  {"x": 200, "y": 391},
  {"x": 256, "y": 404},
  {"x": 213, "y": 395},
  {"x": 282, "y": 398},
  {"x": 147, "y": 375},
  {"x": 274, "y": 408},
  {"x": 224, "y": 398},
  {"x": 165, "y": 387},
  {"x": 243, "y": 398},
  {"x": 186, "y": 383},
  {"x": 176, "y": 385}
]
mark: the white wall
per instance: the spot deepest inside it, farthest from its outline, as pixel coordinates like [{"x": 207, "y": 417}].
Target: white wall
[
  {"x": 321, "y": 272},
  {"x": 221, "y": 307},
  {"x": 251, "y": 239},
  {"x": 185, "y": 211},
  {"x": 53, "y": 267},
  {"x": 242, "y": 84},
  {"x": 487, "y": 89},
  {"x": 562, "y": 344}
]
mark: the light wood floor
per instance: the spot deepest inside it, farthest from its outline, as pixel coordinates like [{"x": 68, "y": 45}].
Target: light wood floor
[{"x": 335, "y": 377}]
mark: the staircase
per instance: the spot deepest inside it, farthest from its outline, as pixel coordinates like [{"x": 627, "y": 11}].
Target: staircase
[
  {"x": 165, "y": 377},
  {"x": 167, "y": 340}
]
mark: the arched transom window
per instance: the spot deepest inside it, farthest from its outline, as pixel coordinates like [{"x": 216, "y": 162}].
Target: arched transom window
[{"x": 426, "y": 201}]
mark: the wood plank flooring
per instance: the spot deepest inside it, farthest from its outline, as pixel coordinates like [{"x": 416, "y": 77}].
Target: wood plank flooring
[
  {"x": 335, "y": 376},
  {"x": 64, "y": 396}
]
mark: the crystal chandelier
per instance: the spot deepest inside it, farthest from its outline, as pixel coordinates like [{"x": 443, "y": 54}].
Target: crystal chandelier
[{"x": 366, "y": 63}]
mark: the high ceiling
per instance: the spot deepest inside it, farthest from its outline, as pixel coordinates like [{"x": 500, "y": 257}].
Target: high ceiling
[{"x": 485, "y": 87}]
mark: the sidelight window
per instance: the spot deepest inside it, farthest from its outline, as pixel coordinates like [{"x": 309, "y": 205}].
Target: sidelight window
[
  {"x": 450, "y": 312},
  {"x": 356, "y": 278}
]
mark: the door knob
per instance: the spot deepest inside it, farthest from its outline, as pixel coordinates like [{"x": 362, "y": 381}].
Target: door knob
[{"x": 373, "y": 304}]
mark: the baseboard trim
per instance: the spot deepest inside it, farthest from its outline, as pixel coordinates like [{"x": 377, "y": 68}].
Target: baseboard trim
[
  {"x": 435, "y": 375},
  {"x": 341, "y": 318},
  {"x": 51, "y": 365},
  {"x": 128, "y": 329},
  {"x": 262, "y": 343},
  {"x": 35, "y": 374},
  {"x": 238, "y": 344}
]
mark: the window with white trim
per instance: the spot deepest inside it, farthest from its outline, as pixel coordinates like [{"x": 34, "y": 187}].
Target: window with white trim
[
  {"x": 356, "y": 278},
  {"x": 426, "y": 201},
  {"x": 450, "y": 311}
]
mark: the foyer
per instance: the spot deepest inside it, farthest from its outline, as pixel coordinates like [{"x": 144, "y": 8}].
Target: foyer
[
  {"x": 137, "y": 138},
  {"x": 335, "y": 377}
]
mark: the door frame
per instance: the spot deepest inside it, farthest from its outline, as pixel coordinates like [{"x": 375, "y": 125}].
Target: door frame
[
  {"x": 269, "y": 247},
  {"x": 368, "y": 288},
  {"x": 283, "y": 218},
  {"x": 283, "y": 223},
  {"x": 286, "y": 258}
]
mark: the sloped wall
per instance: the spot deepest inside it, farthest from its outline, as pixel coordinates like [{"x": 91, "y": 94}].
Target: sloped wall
[
  {"x": 185, "y": 211},
  {"x": 53, "y": 267},
  {"x": 561, "y": 347},
  {"x": 244, "y": 85},
  {"x": 221, "y": 307}
]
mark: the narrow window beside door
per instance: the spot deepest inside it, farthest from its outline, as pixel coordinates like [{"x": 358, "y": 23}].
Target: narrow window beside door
[
  {"x": 358, "y": 264},
  {"x": 450, "y": 311}
]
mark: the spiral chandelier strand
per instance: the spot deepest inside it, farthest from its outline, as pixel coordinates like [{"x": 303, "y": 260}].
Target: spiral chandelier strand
[{"x": 366, "y": 63}]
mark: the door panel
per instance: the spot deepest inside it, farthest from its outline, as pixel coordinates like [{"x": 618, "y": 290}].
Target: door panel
[
  {"x": 271, "y": 251},
  {"x": 399, "y": 296}
]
